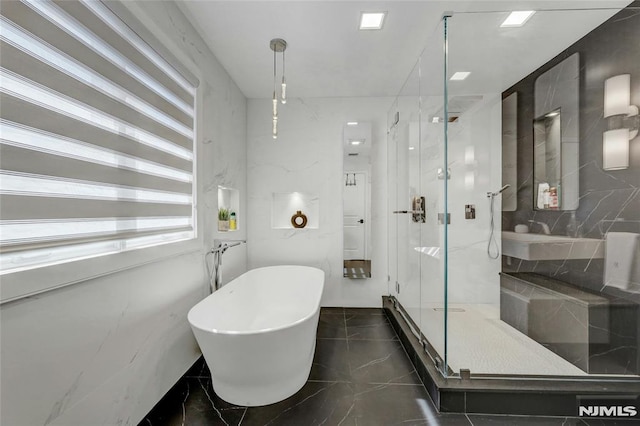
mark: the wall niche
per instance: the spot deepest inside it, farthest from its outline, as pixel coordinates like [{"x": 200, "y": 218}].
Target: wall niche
[
  {"x": 229, "y": 207},
  {"x": 289, "y": 208}
]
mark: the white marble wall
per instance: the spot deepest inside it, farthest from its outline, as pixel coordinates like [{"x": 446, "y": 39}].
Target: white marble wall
[
  {"x": 104, "y": 351},
  {"x": 475, "y": 161},
  {"x": 307, "y": 157},
  {"x": 474, "y": 158}
]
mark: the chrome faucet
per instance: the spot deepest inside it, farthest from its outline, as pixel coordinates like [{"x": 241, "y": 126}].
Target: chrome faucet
[
  {"x": 223, "y": 245},
  {"x": 544, "y": 226},
  {"x": 219, "y": 247}
]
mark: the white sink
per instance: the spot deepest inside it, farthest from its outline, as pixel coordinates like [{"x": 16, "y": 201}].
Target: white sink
[{"x": 550, "y": 247}]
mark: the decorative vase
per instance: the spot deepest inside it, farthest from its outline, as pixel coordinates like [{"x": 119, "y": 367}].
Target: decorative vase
[
  {"x": 299, "y": 220},
  {"x": 223, "y": 225}
]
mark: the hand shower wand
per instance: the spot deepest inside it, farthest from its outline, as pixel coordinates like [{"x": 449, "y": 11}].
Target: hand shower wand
[{"x": 492, "y": 238}]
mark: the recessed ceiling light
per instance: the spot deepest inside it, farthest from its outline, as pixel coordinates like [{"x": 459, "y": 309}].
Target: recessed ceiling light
[
  {"x": 411, "y": 148},
  {"x": 356, "y": 142},
  {"x": 460, "y": 75},
  {"x": 517, "y": 18},
  {"x": 372, "y": 20},
  {"x": 352, "y": 123}
]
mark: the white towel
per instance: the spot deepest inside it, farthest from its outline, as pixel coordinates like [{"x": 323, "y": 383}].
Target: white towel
[{"x": 622, "y": 260}]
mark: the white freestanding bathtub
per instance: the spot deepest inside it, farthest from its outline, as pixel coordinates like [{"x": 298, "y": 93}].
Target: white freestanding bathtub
[{"x": 258, "y": 333}]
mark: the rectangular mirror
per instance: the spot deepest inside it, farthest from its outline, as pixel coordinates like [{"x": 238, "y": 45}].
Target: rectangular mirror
[
  {"x": 556, "y": 137},
  {"x": 356, "y": 196}
]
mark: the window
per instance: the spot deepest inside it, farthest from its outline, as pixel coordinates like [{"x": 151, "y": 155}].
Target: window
[{"x": 96, "y": 137}]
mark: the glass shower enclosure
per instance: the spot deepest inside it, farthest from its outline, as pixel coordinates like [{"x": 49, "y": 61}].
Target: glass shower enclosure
[{"x": 460, "y": 149}]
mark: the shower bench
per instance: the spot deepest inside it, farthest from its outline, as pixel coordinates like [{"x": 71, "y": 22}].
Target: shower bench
[{"x": 575, "y": 324}]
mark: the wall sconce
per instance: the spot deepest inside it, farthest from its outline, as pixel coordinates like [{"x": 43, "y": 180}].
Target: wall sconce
[
  {"x": 623, "y": 122},
  {"x": 278, "y": 45}
]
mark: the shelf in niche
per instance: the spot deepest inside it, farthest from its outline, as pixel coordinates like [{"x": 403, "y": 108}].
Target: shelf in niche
[
  {"x": 229, "y": 198},
  {"x": 285, "y": 204}
]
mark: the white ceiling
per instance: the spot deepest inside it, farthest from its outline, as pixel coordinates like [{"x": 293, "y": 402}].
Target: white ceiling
[{"x": 327, "y": 56}]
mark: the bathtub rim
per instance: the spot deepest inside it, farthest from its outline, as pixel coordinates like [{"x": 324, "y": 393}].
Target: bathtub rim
[{"x": 263, "y": 330}]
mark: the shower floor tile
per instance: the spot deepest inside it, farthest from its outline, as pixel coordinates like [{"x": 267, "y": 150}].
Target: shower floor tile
[
  {"x": 480, "y": 341},
  {"x": 361, "y": 376}
]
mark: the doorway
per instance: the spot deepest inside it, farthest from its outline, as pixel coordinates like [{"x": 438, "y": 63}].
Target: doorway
[{"x": 355, "y": 226}]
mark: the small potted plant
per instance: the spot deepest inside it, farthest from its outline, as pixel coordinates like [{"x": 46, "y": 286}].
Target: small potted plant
[{"x": 223, "y": 219}]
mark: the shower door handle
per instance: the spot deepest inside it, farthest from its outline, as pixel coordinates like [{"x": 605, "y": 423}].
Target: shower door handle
[
  {"x": 418, "y": 213},
  {"x": 417, "y": 216}
]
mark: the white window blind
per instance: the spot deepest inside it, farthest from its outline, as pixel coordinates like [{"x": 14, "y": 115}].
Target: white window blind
[{"x": 96, "y": 137}]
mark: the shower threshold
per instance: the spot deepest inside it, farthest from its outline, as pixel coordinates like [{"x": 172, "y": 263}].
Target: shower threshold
[{"x": 501, "y": 394}]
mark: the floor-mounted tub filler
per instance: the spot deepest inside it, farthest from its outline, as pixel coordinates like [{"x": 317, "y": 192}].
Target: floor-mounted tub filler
[{"x": 258, "y": 333}]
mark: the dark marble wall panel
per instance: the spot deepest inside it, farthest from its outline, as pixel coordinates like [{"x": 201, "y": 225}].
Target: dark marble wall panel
[{"x": 609, "y": 50}]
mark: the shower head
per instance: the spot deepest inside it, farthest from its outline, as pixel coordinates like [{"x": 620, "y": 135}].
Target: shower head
[
  {"x": 493, "y": 194},
  {"x": 503, "y": 188}
]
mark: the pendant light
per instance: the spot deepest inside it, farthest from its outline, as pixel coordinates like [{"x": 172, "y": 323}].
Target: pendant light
[{"x": 278, "y": 45}]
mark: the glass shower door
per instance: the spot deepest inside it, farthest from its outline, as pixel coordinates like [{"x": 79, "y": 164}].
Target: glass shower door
[
  {"x": 434, "y": 177},
  {"x": 417, "y": 194},
  {"x": 406, "y": 211},
  {"x": 392, "y": 179}
]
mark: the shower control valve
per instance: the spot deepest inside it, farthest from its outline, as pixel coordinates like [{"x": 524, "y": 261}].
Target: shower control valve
[{"x": 470, "y": 211}]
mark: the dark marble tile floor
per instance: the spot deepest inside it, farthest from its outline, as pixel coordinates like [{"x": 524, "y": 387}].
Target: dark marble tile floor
[{"x": 361, "y": 376}]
